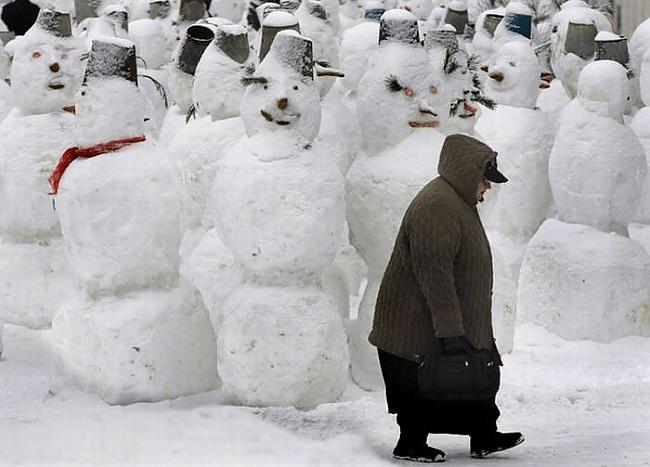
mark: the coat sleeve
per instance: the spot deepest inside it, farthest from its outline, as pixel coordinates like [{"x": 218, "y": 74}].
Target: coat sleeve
[{"x": 434, "y": 240}]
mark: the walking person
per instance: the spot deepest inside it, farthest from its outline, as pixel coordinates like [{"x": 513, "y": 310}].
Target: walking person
[{"x": 436, "y": 293}]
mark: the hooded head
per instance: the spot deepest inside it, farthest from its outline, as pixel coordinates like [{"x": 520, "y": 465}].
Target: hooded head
[{"x": 463, "y": 161}]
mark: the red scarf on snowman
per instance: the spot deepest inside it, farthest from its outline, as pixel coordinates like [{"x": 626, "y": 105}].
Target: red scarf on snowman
[{"x": 71, "y": 154}]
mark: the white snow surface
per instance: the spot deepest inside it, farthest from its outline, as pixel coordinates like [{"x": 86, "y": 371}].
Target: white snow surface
[
  {"x": 577, "y": 403},
  {"x": 357, "y": 45},
  {"x": 119, "y": 215}
]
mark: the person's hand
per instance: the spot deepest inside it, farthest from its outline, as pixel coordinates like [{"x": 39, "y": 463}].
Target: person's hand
[{"x": 453, "y": 345}]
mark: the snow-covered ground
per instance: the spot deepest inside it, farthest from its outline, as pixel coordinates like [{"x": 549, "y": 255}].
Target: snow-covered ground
[{"x": 578, "y": 403}]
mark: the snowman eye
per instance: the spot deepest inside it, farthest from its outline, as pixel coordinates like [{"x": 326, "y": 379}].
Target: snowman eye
[
  {"x": 433, "y": 89},
  {"x": 83, "y": 93},
  {"x": 511, "y": 63},
  {"x": 295, "y": 88},
  {"x": 392, "y": 84},
  {"x": 409, "y": 92},
  {"x": 36, "y": 55}
]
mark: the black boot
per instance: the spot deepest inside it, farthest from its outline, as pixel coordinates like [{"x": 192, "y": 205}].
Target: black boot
[
  {"x": 481, "y": 446},
  {"x": 412, "y": 446}
]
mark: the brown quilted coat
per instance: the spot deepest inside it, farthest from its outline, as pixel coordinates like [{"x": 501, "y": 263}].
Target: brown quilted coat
[{"x": 438, "y": 282}]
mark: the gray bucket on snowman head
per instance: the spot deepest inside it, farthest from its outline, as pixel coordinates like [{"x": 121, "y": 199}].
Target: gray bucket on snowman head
[
  {"x": 196, "y": 40},
  {"x": 233, "y": 41},
  {"x": 519, "y": 24},
  {"x": 580, "y": 40},
  {"x": 85, "y": 9},
  {"x": 616, "y": 50},
  {"x": 120, "y": 16},
  {"x": 441, "y": 38},
  {"x": 490, "y": 23},
  {"x": 402, "y": 30},
  {"x": 373, "y": 14},
  {"x": 6, "y": 36},
  {"x": 458, "y": 19},
  {"x": 295, "y": 52},
  {"x": 159, "y": 9},
  {"x": 111, "y": 60},
  {"x": 55, "y": 22},
  {"x": 191, "y": 10},
  {"x": 270, "y": 29}
]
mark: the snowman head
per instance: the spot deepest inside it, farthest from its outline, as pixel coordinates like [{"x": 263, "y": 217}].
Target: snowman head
[
  {"x": 420, "y": 8},
  {"x": 282, "y": 96},
  {"x": 396, "y": 94},
  {"x": 47, "y": 67},
  {"x": 513, "y": 76},
  {"x": 357, "y": 46},
  {"x": 217, "y": 82},
  {"x": 109, "y": 105},
  {"x": 459, "y": 89},
  {"x": 185, "y": 60},
  {"x": 603, "y": 88}
]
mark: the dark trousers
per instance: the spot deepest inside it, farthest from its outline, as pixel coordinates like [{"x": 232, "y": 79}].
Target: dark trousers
[{"x": 418, "y": 415}]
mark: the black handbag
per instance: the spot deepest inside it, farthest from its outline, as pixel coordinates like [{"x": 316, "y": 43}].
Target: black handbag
[{"x": 471, "y": 375}]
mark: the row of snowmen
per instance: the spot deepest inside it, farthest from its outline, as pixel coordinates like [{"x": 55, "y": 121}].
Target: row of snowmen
[{"x": 204, "y": 244}]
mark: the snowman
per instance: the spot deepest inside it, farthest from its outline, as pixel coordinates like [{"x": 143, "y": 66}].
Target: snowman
[
  {"x": 279, "y": 207},
  {"x": 523, "y": 137},
  {"x": 357, "y": 46},
  {"x": 401, "y": 144},
  {"x": 273, "y": 21},
  {"x": 35, "y": 274},
  {"x": 137, "y": 333},
  {"x": 582, "y": 277},
  {"x": 6, "y": 97},
  {"x": 181, "y": 78},
  {"x": 198, "y": 147},
  {"x": 574, "y": 30}
]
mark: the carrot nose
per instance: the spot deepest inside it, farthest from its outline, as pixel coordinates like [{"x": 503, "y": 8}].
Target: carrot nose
[
  {"x": 283, "y": 103},
  {"x": 496, "y": 76}
]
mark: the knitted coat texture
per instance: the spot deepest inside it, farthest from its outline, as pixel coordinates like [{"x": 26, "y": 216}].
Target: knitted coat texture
[{"x": 438, "y": 282}]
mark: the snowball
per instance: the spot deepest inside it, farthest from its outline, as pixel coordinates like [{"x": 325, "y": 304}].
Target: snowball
[
  {"x": 31, "y": 147},
  {"x": 581, "y": 283},
  {"x": 119, "y": 215},
  {"x": 272, "y": 210},
  {"x": 143, "y": 347},
  {"x": 282, "y": 346},
  {"x": 397, "y": 15},
  {"x": 35, "y": 280}
]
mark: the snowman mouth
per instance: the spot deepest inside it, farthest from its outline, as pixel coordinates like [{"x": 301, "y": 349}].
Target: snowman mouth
[
  {"x": 428, "y": 124},
  {"x": 56, "y": 85},
  {"x": 269, "y": 118},
  {"x": 470, "y": 111}
]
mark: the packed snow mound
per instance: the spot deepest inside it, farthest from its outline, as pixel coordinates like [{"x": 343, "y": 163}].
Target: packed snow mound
[
  {"x": 31, "y": 147},
  {"x": 287, "y": 222},
  {"x": 597, "y": 166},
  {"x": 119, "y": 216},
  {"x": 581, "y": 283},
  {"x": 282, "y": 346},
  {"x": 143, "y": 347}
]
